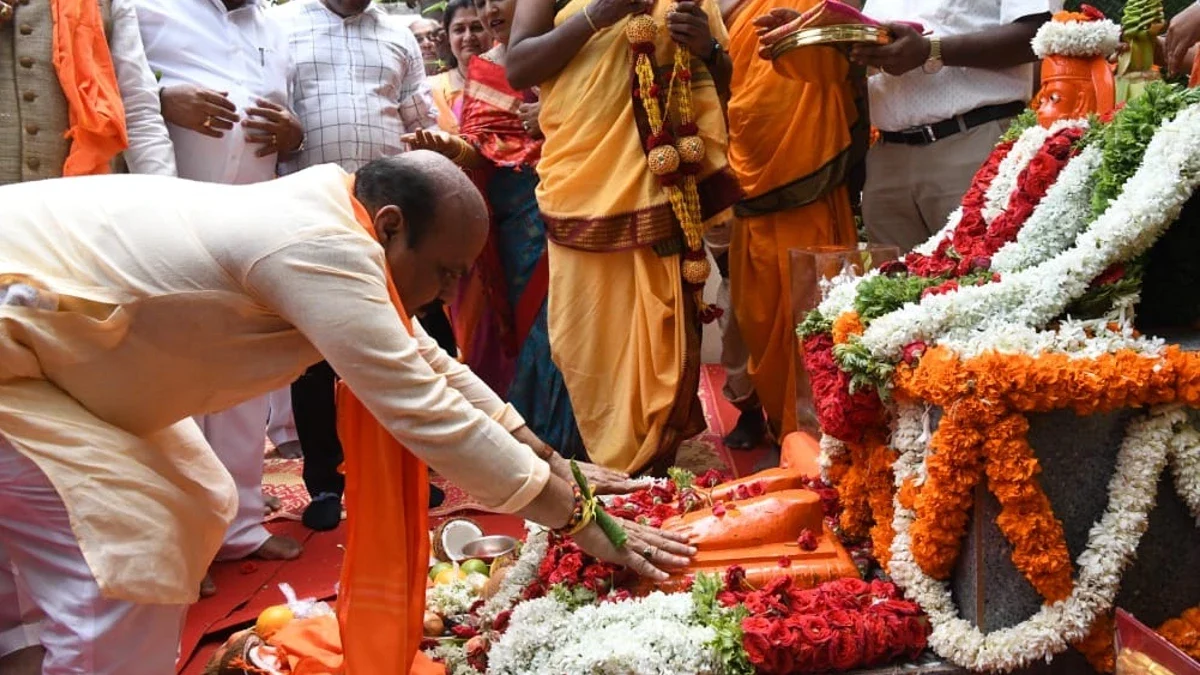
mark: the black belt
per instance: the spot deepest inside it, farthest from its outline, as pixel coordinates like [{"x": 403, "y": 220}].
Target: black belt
[{"x": 929, "y": 133}]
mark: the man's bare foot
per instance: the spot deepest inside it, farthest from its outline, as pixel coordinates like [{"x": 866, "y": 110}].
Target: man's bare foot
[
  {"x": 279, "y": 548},
  {"x": 271, "y": 504},
  {"x": 27, "y": 661},
  {"x": 207, "y": 587}
]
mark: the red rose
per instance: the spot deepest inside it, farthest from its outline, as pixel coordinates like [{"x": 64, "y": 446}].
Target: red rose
[
  {"x": 807, "y": 541},
  {"x": 844, "y": 652},
  {"x": 718, "y": 509},
  {"x": 757, "y": 489},
  {"x": 815, "y": 630},
  {"x": 742, "y": 492},
  {"x": 916, "y": 635},
  {"x": 728, "y": 599},
  {"x": 785, "y": 562},
  {"x": 840, "y": 619},
  {"x": 500, "y": 623},
  {"x": 568, "y": 569},
  {"x": 912, "y": 352},
  {"x": 755, "y": 641},
  {"x": 883, "y": 589}
]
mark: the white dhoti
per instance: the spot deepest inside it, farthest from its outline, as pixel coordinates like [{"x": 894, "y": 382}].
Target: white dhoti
[
  {"x": 281, "y": 423},
  {"x": 48, "y": 593},
  {"x": 237, "y": 435}
]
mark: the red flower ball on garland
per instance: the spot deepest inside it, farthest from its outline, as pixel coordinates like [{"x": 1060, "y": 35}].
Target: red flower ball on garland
[{"x": 843, "y": 415}]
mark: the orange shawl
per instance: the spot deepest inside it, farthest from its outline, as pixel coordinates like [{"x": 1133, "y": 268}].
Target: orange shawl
[
  {"x": 381, "y": 599},
  {"x": 89, "y": 84}
]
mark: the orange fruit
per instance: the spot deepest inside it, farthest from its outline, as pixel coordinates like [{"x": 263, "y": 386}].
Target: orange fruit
[
  {"x": 272, "y": 619},
  {"x": 449, "y": 575}
]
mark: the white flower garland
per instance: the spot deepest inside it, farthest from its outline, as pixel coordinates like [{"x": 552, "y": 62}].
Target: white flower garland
[
  {"x": 1112, "y": 543},
  {"x": 840, "y": 292},
  {"x": 1085, "y": 39},
  {"x": 1077, "y": 339},
  {"x": 1023, "y": 150},
  {"x": 1185, "y": 464},
  {"x": 1148, "y": 204},
  {"x": 910, "y": 435},
  {"x": 520, "y": 575},
  {"x": 831, "y": 448},
  {"x": 932, "y": 243},
  {"x": 451, "y": 599},
  {"x": 655, "y": 635},
  {"x": 1063, "y": 213}
]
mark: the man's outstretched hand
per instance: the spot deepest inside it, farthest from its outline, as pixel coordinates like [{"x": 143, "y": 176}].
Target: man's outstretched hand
[{"x": 602, "y": 481}]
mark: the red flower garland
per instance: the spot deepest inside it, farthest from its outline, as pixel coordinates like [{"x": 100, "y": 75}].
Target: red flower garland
[
  {"x": 942, "y": 262},
  {"x": 843, "y": 415},
  {"x": 839, "y": 625}
]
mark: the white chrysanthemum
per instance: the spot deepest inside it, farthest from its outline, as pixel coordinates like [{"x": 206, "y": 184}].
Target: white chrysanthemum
[
  {"x": 1086, "y": 39},
  {"x": 451, "y": 599},
  {"x": 655, "y": 635},
  {"x": 1000, "y": 190}
]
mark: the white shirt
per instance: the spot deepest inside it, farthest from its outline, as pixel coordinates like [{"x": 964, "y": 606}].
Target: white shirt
[
  {"x": 916, "y": 98},
  {"x": 241, "y": 52},
  {"x": 359, "y": 84},
  {"x": 150, "y": 150}
]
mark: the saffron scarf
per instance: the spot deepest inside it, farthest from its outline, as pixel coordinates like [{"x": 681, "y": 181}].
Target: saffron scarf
[
  {"x": 88, "y": 80},
  {"x": 381, "y": 598}
]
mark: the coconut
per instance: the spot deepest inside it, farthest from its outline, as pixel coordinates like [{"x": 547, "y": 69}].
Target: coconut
[{"x": 452, "y": 535}]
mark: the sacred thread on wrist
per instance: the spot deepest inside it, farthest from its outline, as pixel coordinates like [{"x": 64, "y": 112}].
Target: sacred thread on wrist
[{"x": 591, "y": 23}]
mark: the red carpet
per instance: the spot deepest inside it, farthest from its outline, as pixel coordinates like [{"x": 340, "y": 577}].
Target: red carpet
[{"x": 245, "y": 588}]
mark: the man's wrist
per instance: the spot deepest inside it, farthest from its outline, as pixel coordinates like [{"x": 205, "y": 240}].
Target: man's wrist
[{"x": 714, "y": 52}]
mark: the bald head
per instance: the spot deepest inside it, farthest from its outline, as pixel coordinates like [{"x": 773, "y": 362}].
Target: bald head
[
  {"x": 430, "y": 218},
  {"x": 430, "y": 190}
]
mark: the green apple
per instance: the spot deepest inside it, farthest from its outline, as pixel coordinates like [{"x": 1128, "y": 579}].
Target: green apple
[
  {"x": 474, "y": 566},
  {"x": 438, "y": 569}
]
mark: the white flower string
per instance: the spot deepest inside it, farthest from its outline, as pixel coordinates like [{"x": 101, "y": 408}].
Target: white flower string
[
  {"x": 831, "y": 449},
  {"x": 1185, "y": 464},
  {"x": 1000, "y": 191},
  {"x": 520, "y": 575},
  {"x": 1063, "y": 213}
]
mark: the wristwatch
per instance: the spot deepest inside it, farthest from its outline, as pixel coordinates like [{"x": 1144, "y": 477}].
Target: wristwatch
[
  {"x": 934, "y": 63},
  {"x": 714, "y": 53}
]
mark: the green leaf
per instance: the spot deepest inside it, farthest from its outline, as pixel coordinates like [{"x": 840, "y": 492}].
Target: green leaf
[
  {"x": 682, "y": 478},
  {"x": 726, "y": 623},
  {"x": 814, "y": 324},
  {"x": 1025, "y": 120},
  {"x": 882, "y": 295},
  {"x": 581, "y": 480},
  {"x": 611, "y": 528}
]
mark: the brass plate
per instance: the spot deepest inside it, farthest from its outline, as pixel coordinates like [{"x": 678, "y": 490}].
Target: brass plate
[{"x": 830, "y": 36}]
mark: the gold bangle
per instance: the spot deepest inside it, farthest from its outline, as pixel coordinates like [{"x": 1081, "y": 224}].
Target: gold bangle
[
  {"x": 589, "y": 20},
  {"x": 462, "y": 152}
]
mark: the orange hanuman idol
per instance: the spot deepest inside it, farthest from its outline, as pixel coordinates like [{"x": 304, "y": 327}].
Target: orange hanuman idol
[
  {"x": 1077, "y": 78},
  {"x": 764, "y": 534}
]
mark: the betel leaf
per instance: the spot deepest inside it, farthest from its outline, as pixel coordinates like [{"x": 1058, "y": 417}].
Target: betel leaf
[{"x": 608, "y": 525}]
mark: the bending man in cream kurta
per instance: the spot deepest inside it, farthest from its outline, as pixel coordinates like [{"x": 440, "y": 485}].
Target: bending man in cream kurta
[{"x": 130, "y": 303}]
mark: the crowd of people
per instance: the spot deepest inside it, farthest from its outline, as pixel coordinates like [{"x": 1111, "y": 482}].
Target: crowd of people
[{"x": 490, "y": 172}]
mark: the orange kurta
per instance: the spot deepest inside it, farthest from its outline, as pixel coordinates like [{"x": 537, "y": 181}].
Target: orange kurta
[{"x": 789, "y": 144}]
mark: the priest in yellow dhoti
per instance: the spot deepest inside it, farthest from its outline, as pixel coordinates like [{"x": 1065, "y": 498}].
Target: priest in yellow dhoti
[
  {"x": 790, "y": 143},
  {"x": 129, "y": 304},
  {"x": 624, "y": 330}
]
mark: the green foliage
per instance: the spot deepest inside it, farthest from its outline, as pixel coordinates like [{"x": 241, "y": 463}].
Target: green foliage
[
  {"x": 1142, "y": 17},
  {"x": 573, "y": 598},
  {"x": 1113, "y": 8},
  {"x": 1097, "y": 301},
  {"x": 1026, "y": 120},
  {"x": 814, "y": 324},
  {"x": 1125, "y": 139},
  {"x": 725, "y": 621},
  {"x": 885, "y": 294},
  {"x": 853, "y": 357},
  {"x": 682, "y": 478}
]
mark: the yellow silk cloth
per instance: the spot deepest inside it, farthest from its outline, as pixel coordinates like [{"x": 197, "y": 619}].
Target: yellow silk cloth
[
  {"x": 781, "y": 131},
  {"x": 761, "y": 292},
  {"x": 625, "y": 337},
  {"x": 588, "y": 119},
  {"x": 447, "y": 97}
]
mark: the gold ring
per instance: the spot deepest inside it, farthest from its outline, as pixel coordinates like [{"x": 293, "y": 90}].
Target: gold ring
[
  {"x": 274, "y": 139},
  {"x": 208, "y": 122},
  {"x": 648, "y": 552}
]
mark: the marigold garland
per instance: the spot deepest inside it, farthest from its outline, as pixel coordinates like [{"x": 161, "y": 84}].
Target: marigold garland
[
  {"x": 943, "y": 503},
  {"x": 1026, "y": 517},
  {"x": 846, "y": 325},
  {"x": 1184, "y": 632}
]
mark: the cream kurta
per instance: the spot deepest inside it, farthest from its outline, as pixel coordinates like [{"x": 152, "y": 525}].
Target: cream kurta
[{"x": 210, "y": 295}]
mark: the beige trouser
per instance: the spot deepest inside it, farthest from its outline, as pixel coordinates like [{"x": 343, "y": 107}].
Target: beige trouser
[
  {"x": 238, "y": 437},
  {"x": 735, "y": 357},
  {"x": 912, "y": 189}
]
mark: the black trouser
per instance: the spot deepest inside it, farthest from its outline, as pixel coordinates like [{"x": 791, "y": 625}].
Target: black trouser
[
  {"x": 316, "y": 417},
  {"x": 316, "y": 427}
]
